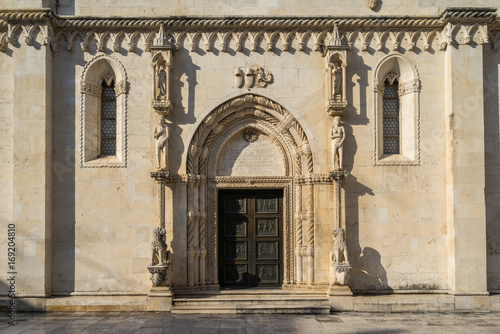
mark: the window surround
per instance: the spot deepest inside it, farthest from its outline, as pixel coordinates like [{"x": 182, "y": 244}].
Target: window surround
[
  {"x": 102, "y": 68},
  {"x": 409, "y": 106}
]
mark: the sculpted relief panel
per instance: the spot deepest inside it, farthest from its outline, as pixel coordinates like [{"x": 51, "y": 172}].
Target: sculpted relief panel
[{"x": 250, "y": 154}]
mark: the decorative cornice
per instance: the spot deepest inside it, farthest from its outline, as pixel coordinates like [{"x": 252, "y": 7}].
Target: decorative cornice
[
  {"x": 266, "y": 32},
  {"x": 198, "y": 23},
  {"x": 461, "y": 13}
]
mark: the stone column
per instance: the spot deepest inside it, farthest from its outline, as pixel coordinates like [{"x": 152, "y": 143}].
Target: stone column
[
  {"x": 31, "y": 175},
  {"x": 339, "y": 271},
  {"x": 203, "y": 236},
  {"x": 298, "y": 233},
  {"x": 310, "y": 233},
  {"x": 336, "y": 64},
  {"x": 465, "y": 181},
  {"x": 160, "y": 295},
  {"x": 338, "y": 176}
]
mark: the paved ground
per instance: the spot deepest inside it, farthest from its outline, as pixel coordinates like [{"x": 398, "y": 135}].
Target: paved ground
[{"x": 156, "y": 323}]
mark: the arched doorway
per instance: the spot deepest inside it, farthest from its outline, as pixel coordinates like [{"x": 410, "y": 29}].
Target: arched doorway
[{"x": 250, "y": 143}]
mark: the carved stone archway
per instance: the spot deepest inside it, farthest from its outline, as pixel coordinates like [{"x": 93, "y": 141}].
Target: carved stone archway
[{"x": 250, "y": 112}]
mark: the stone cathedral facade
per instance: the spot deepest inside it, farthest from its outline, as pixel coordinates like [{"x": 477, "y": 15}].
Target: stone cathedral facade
[{"x": 250, "y": 156}]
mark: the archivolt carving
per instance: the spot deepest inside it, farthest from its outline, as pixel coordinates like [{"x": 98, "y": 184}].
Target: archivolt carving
[
  {"x": 242, "y": 121},
  {"x": 252, "y": 33},
  {"x": 268, "y": 117},
  {"x": 261, "y": 107}
]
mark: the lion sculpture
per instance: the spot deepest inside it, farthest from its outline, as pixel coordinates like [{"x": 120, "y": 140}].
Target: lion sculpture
[
  {"x": 158, "y": 247},
  {"x": 339, "y": 246}
]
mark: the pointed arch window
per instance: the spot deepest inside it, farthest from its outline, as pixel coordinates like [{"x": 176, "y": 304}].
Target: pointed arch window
[
  {"x": 103, "y": 113},
  {"x": 396, "y": 105},
  {"x": 391, "y": 117},
  {"x": 108, "y": 118}
]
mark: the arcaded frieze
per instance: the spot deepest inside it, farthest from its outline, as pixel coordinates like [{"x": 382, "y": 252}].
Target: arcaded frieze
[{"x": 454, "y": 25}]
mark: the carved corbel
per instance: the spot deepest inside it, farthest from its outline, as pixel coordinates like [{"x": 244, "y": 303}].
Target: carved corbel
[
  {"x": 162, "y": 50},
  {"x": 336, "y": 65}
]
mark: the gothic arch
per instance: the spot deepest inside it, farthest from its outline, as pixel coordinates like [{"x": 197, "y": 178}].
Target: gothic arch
[
  {"x": 249, "y": 111},
  {"x": 99, "y": 68},
  {"x": 287, "y": 130},
  {"x": 408, "y": 93}
]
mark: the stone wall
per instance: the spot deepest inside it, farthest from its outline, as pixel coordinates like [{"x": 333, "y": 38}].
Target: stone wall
[
  {"x": 492, "y": 168},
  {"x": 86, "y": 229}
]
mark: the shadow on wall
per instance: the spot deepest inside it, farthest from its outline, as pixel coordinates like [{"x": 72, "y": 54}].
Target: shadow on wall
[
  {"x": 492, "y": 166},
  {"x": 184, "y": 67},
  {"x": 64, "y": 160},
  {"x": 367, "y": 274},
  {"x": 367, "y": 270},
  {"x": 61, "y": 7}
]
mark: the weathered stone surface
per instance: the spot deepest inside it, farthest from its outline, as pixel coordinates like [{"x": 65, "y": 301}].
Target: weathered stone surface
[{"x": 249, "y": 103}]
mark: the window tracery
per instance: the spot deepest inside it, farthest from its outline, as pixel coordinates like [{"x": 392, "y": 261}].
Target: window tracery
[
  {"x": 108, "y": 119},
  {"x": 391, "y": 128},
  {"x": 396, "y": 112}
]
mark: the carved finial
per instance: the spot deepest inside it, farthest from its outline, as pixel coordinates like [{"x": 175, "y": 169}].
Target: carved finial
[
  {"x": 161, "y": 40},
  {"x": 336, "y": 38}
]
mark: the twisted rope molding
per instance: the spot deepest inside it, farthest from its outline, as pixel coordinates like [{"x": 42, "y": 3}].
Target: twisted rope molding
[
  {"x": 184, "y": 22},
  {"x": 193, "y": 29}
]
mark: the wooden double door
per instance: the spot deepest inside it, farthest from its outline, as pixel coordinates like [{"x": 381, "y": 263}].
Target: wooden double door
[{"x": 250, "y": 227}]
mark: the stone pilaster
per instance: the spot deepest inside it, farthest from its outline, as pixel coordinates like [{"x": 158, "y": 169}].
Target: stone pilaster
[
  {"x": 32, "y": 184},
  {"x": 465, "y": 181}
]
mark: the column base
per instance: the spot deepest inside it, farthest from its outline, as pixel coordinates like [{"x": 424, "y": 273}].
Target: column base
[
  {"x": 160, "y": 299},
  {"x": 478, "y": 303},
  {"x": 339, "y": 290}
]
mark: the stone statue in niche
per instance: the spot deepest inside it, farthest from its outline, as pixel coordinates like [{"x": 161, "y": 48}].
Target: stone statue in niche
[
  {"x": 336, "y": 81},
  {"x": 339, "y": 247},
  {"x": 161, "y": 135},
  {"x": 161, "y": 82},
  {"x": 337, "y": 134}
]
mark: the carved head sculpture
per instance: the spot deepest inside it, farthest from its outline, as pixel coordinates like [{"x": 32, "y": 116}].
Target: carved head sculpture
[
  {"x": 336, "y": 120},
  {"x": 238, "y": 78},
  {"x": 161, "y": 120},
  {"x": 248, "y": 77}
]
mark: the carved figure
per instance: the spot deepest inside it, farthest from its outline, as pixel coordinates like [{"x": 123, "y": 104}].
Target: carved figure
[
  {"x": 161, "y": 86},
  {"x": 238, "y": 78},
  {"x": 339, "y": 246},
  {"x": 337, "y": 134},
  {"x": 262, "y": 78},
  {"x": 337, "y": 82},
  {"x": 158, "y": 246},
  {"x": 372, "y": 4},
  {"x": 248, "y": 77},
  {"x": 161, "y": 135}
]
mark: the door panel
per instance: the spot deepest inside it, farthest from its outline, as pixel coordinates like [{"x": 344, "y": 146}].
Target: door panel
[{"x": 250, "y": 238}]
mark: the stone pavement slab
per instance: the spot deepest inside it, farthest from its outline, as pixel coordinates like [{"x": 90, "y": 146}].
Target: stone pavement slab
[{"x": 335, "y": 323}]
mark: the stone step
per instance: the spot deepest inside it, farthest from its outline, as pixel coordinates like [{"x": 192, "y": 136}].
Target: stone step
[
  {"x": 252, "y": 302},
  {"x": 302, "y": 308}
]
